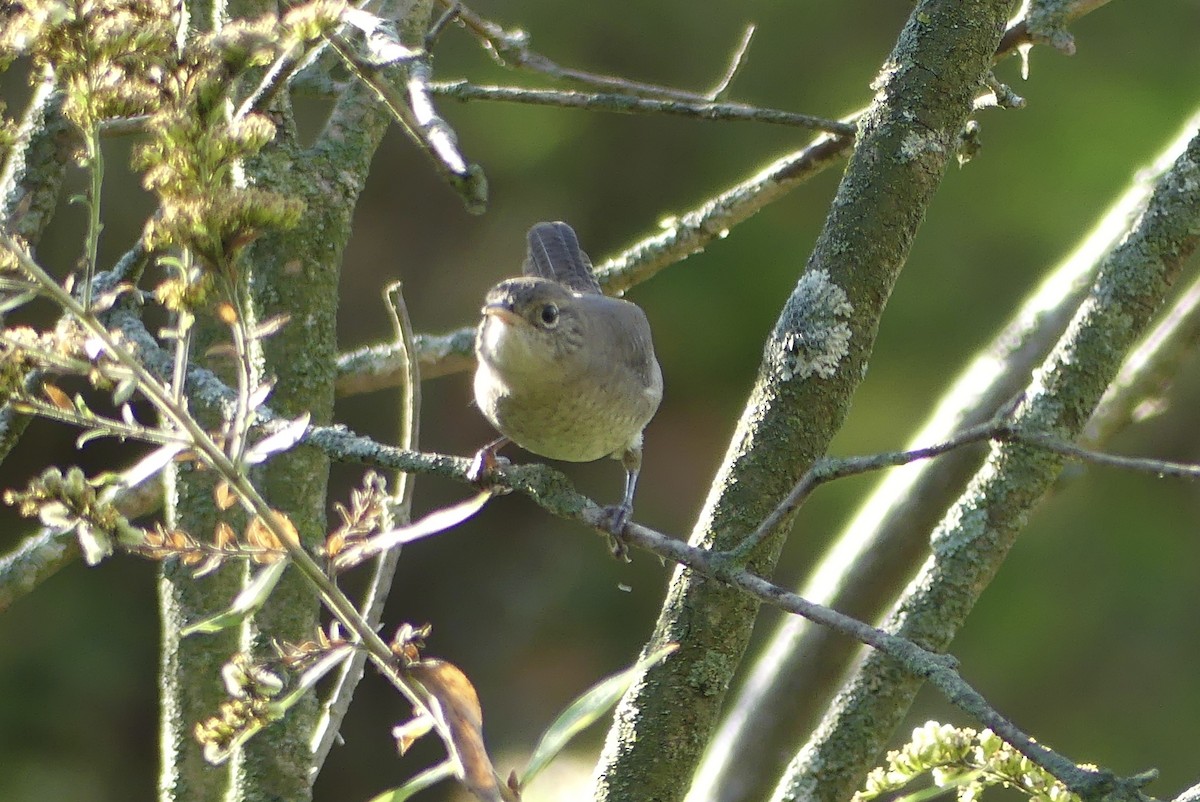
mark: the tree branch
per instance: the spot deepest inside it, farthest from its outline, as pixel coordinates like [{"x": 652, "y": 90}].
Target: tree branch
[
  {"x": 376, "y": 367},
  {"x": 813, "y": 361},
  {"x": 631, "y": 104},
  {"x": 975, "y": 535},
  {"x": 873, "y": 558}
]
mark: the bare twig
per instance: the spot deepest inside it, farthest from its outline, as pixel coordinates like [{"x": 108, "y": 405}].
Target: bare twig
[
  {"x": 338, "y": 703},
  {"x": 938, "y": 669},
  {"x": 415, "y": 113},
  {"x": 1156, "y": 467},
  {"x": 376, "y": 367},
  {"x": 735, "y": 65},
  {"x": 632, "y": 104},
  {"x": 511, "y": 48},
  {"x": 829, "y": 468}
]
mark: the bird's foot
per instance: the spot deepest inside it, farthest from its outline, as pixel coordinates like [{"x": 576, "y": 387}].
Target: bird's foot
[
  {"x": 613, "y": 521},
  {"x": 484, "y": 465}
]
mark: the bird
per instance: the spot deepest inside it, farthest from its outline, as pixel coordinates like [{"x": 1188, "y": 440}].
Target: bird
[{"x": 563, "y": 370}]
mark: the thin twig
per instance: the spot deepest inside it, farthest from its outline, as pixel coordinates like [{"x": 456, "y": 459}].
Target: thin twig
[
  {"x": 338, "y": 703},
  {"x": 417, "y": 116},
  {"x": 735, "y": 65},
  {"x": 1156, "y": 467},
  {"x": 632, "y": 104},
  {"x": 938, "y": 669},
  {"x": 511, "y": 48},
  {"x": 375, "y": 367},
  {"x": 829, "y": 468}
]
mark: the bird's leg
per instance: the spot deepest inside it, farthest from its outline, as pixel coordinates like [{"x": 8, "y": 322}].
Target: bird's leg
[
  {"x": 486, "y": 461},
  {"x": 617, "y": 515}
]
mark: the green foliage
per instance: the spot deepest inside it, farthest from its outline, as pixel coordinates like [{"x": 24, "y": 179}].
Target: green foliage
[
  {"x": 193, "y": 158},
  {"x": 964, "y": 760},
  {"x": 106, "y": 54},
  {"x": 70, "y": 502},
  {"x": 121, "y": 59}
]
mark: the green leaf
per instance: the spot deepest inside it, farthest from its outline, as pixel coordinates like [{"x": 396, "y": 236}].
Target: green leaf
[
  {"x": 585, "y": 710},
  {"x": 246, "y": 603},
  {"x": 436, "y": 774},
  {"x": 934, "y": 791}
]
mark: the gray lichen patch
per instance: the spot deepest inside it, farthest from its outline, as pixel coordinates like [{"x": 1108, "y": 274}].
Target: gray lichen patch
[
  {"x": 812, "y": 335},
  {"x": 918, "y": 143}
]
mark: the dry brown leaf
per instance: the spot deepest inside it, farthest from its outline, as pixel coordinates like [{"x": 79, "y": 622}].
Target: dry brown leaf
[
  {"x": 226, "y": 313},
  {"x": 57, "y": 397},
  {"x": 223, "y": 536},
  {"x": 289, "y": 528},
  {"x": 221, "y": 351},
  {"x": 334, "y": 544},
  {"x": 259, "y": 536},
  {"x": 455, "y": 704},
  {"x": 409, "y": 732},
  {"x": 223, "y": 495}
]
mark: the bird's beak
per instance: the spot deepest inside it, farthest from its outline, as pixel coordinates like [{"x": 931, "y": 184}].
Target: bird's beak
[{"x": 503, "y": 312}]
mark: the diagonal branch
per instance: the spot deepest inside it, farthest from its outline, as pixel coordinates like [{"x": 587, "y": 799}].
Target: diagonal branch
[
  {"x": 377, "y": 367},
  {"x": 813, "y": 361},
  {"x": 868, "y": 564},
  {"x": 630, "y": 104},
  {"x": 977, "y": 532}
]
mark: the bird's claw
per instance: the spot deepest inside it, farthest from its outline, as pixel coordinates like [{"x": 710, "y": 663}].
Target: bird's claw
[
  {"x": 613, "y": 521},
  {"x": 483, "y": 469}
]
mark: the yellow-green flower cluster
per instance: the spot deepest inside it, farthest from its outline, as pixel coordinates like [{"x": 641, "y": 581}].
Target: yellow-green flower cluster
[
  {"x": 966, "y": 761},
  {"x": 108, "y": 56}
]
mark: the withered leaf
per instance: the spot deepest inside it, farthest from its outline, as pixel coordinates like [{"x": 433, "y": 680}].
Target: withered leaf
[
  {"x": 57, "y": 397},
  {"x": 223, "y": 495},
  {"x": 223, "y": 536},
  {"x": 455, "y": 705}
]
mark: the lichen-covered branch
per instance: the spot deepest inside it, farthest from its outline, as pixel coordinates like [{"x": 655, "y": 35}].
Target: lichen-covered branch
[
  {"x": 976, "y": 533},
  {"x": 812, "y": 363},
  {"x": 34, "y": 170},
  {"x": 800, "y": 666}
]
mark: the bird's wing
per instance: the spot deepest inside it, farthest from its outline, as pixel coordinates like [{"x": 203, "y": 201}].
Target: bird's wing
[
  {"x": 554, "y": 253},
  {"x": 644, "y": 364}
]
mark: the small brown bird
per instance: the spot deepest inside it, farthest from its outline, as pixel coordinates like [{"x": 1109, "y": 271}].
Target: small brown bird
[{"x": 563, "y": 370}]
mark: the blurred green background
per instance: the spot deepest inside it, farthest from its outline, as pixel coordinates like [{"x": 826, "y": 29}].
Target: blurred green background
[{"x": 1089, "y": 638}]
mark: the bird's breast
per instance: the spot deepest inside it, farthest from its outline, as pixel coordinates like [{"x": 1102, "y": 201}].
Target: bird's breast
[{"x": 578, "y": 418}]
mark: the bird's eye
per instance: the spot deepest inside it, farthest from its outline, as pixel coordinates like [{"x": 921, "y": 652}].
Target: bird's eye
[{"x": 549, "y": 315}]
